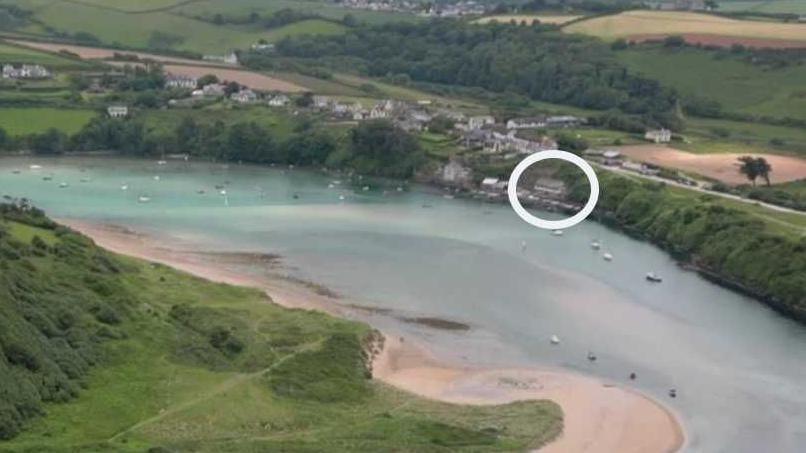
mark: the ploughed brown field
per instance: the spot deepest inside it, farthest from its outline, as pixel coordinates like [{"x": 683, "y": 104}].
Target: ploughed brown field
[{"x": 722, "y": 167}]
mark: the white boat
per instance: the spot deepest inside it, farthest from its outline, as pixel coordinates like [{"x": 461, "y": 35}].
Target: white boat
[
  {"x": 156, "y": 178},
  {"x": 400, "y": 189},
  {"x": 653, "y": 277},
  {"x": 143, "y": 199},
  {"x": 365, "y": 188},
  {"x": 124, "y": 187},
  {"x": 162, "y": 162},
  {"x": 330, "y": 186},
  {"x": 554, "y": 339},
  {"x": 341, "y": 197},
  {"x": 35, "y": 167},
  {"x": 596, "y": 245},
  {"x": 557, "y": 232},
  {"x": 63, "y": 185},
  {"x": 223, "y": 192},
  {"x": 607, "y": 256}
]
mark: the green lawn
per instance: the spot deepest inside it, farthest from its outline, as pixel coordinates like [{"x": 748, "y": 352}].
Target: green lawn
[
  {"x": 736, "y": 85},
  {"x": 278, "y": 120},
  {"x": 21, "y": 121},
  {"x": 305, "y": 27}
]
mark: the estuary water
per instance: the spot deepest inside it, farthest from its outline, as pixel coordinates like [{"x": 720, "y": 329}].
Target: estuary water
[{"x": 739, "y": 368}]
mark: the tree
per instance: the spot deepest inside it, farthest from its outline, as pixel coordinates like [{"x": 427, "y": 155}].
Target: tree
[
  {"x": 755, "y": 167},
  {"x": 206, "y": 79},
  {"x": 381, "y": 148},
  {"x": 49, "y": 142},
  {"x": 306, "y": 100}
]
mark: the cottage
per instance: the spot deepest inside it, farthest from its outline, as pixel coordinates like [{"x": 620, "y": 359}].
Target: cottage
[
  {"x": 489, "y": 183},
  {"x": 230, "y": 58},
  {"x": 659, "y": 135},
  {"x": 181, "y": 82},
  {"x": 244, "y": 96},
  {"x": 279, "y": 100},
  {"x": 455, "y": 173},
  {"x": 214, "y": 90},
  {"x": 25, "y": 71},
  {"x": 321, "y": 102},
  {"x": 564, "y": 121},
  {"x": 550, "y": 188},
  {"x": 527, "y": 123},
  {"x": 612, "y": 157},
  {"x": 378, "y": 112},
  {"x": 477, "y": 122},
  {"x": 117, "y": 111}
]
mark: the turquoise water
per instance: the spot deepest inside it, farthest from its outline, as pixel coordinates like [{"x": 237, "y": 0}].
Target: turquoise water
[{"x": 740, "y": 368}]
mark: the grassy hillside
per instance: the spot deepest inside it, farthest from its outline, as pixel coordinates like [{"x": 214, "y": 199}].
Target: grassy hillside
[
  {"x": 21, "y": 121},
  {"x": 104, "y": 353},
  {"x": 737, "y": 85},
  {"x": 632, "y": 23},
  {"x": 19, "y": 55},
  {"x": 764, "y": 6}
]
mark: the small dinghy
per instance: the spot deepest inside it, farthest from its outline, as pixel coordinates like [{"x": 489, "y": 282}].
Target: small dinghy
[
  {"x": 143, "y": 199},
  {"x": 63, "y": 185},
  {"x": 653, "y": 277},
  {"x": 35, "y": 167},
  {"x": 607, "y": 257},
  {"x": 47, "y": 178},
  {"x": 223, "y": 192},
  {"x": 554, "y": 339},
  {"x": 596, "y": 245},
  {"x": 673, "y": 393},
  {"x": 591, "y": 357},
  {"x": 162, "y": 162},
  {"x": 156, "y": 178},
  {"x": 341, "y": 197},
  {"x": 365, "y": 188},
  {"x": 557, "y": 232},
  {"x": 124, "y": 187},
  {"x": 400, "y": 189},
  {"x": 15, "y": 171},
  {"x": 201, "y": 191}
]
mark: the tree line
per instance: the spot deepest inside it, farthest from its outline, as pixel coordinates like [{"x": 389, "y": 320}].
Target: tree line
[{"x": 537, "y": 61}]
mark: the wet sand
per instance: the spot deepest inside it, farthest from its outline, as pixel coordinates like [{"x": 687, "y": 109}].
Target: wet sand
[{"x": 598, "y": 416}]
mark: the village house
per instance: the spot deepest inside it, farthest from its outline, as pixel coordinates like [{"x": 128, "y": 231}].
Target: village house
[
  {"x": 279, "y": 100},
  {"x": 456, "y": 174},
  {"x": 214, "y": 90},
  {"x": 26, "y": 71},
  {"x": 659, "y": 135},
  {"x": 262, "y": 46},
  {"x": 527, "y": 123},
  {"x": 117, "y": 111},
  {"x": 244, "y": 96},
  {"x": 321, "y": 102},
  {"x": 477, "y": 122},
  {"x": 230, "y": 58},
  {"x": 493, "y": 185},
  {"x": 641, "y": 168},
  {"x": 183, "y": 82},
  {"x": 550, "y": 188},
  {"x": 564, "y": 121},
  {"x": 378, "y": 112}
]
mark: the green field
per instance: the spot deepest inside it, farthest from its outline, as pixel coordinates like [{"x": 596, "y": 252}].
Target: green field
[
  {"x": 21, "y": 121},
  {"x": 764, "y": 6},
  {"x": 305, "y": 27},
  {"x": 279, "y": 121},
  {"x": 19, "y": 55},
  {"x": 208, "y": 8},
  {"x": 189, "y": 365},
  {"x": 714, "y": 136},
  {"x": 736, "y": 85}
]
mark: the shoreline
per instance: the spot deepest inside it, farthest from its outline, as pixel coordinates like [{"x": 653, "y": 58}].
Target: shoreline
[{"x": 598, "y": 416}]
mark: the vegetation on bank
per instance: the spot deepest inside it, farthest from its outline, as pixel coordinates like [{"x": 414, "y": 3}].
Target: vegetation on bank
[
  {"x": 100, "y": 352},
  {"x": 730, "y": 245}
]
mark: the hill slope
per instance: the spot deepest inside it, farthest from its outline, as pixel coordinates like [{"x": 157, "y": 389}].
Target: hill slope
[{"x": 125, "y": 356}]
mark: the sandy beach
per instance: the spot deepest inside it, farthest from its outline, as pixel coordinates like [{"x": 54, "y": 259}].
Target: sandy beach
[{"x": 598, "y": 416}]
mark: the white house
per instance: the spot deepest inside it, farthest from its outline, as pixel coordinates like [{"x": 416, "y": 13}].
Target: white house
[
  {"x": 244, "y": 96},
  {"x": 279, "y": 100},
  {"x": 213, "y": 90},
  {"x": 659, "y": 135},
  {"x": 526, "y": 123},
  {"x": 378, "y": 112},
  {"x": 184, "y": 82},
  {"x": 477, "y": 122},
  {"x": 26, "y": 71},
  {"x": 321, "y": 102},
  {"x": 117, "y": 111},
  {"x": 230, "y": 58}
]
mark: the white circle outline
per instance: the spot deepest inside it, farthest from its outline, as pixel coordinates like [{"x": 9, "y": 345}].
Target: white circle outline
[{"x": 512, "y": 189}]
